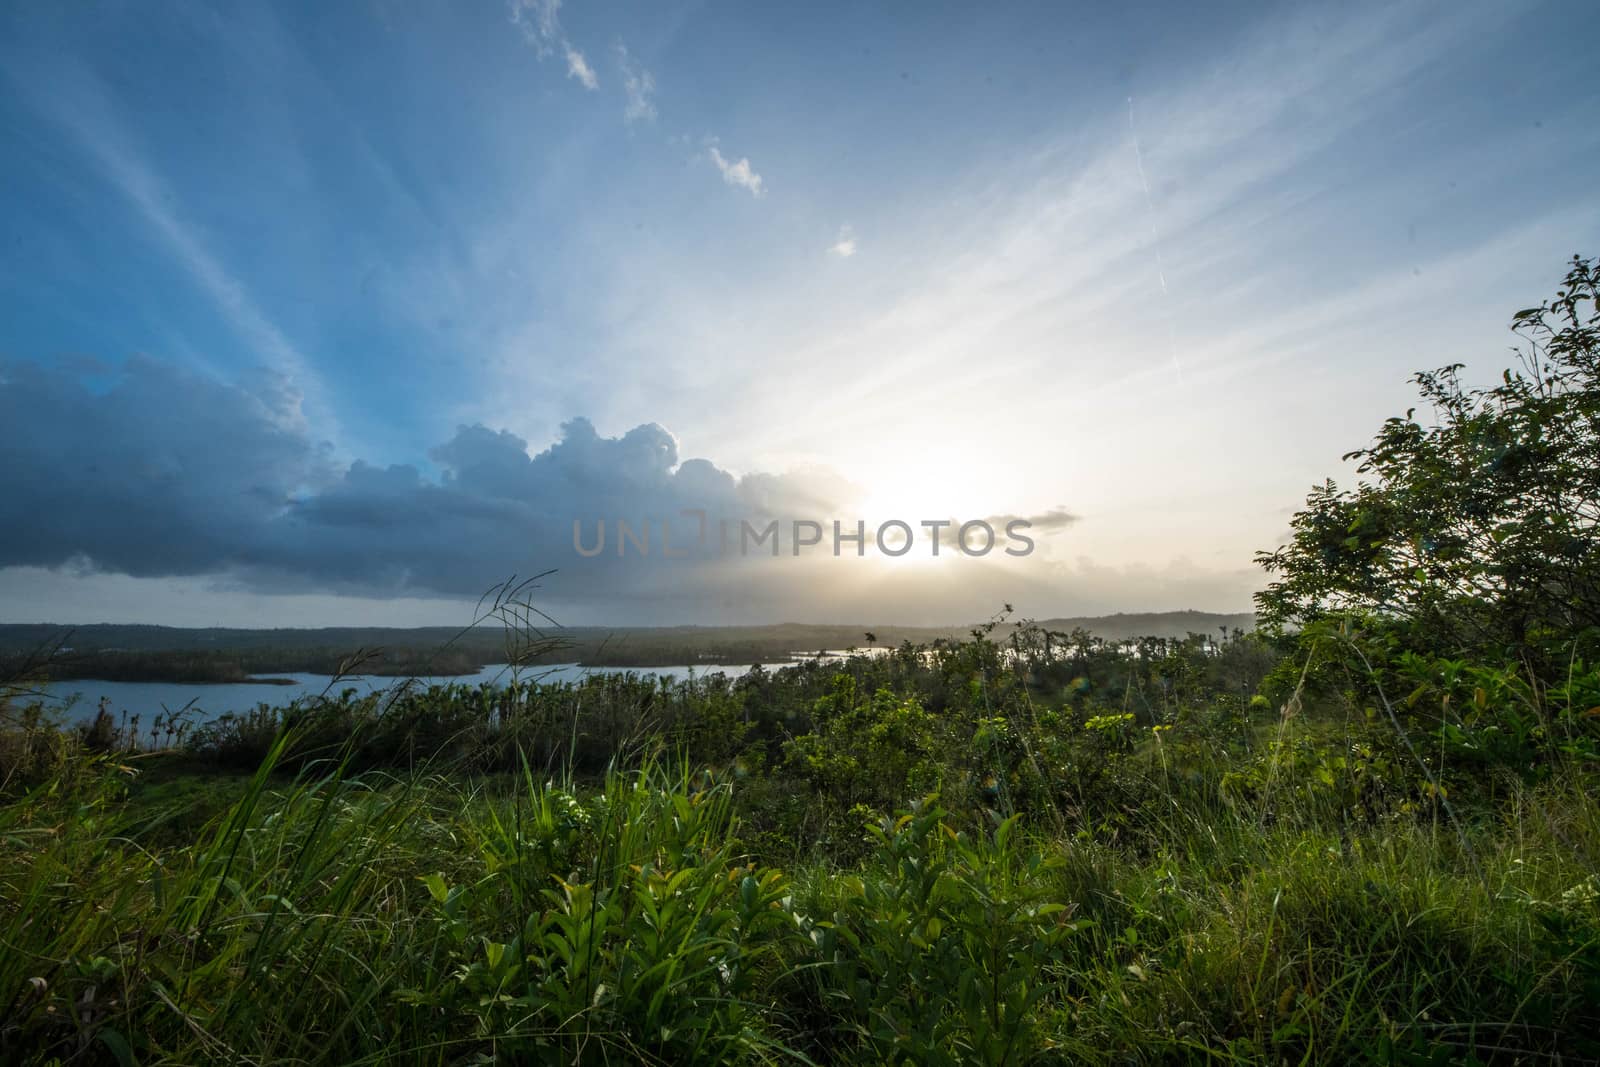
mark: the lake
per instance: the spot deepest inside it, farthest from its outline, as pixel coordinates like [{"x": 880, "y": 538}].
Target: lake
[{"x": 210, "y": 700}]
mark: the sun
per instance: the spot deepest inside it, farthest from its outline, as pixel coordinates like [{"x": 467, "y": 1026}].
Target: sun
[{"x": 950, "y": 486}]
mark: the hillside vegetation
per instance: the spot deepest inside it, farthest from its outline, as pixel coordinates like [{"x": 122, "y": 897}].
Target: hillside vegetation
[{"x": 174, "y": 654}]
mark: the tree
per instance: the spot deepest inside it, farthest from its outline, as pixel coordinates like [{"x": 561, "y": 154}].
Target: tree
[{"x": 1476, "y": 532}]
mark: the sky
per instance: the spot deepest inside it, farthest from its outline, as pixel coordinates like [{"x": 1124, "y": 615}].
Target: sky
[{"x": 323, "y": 314}]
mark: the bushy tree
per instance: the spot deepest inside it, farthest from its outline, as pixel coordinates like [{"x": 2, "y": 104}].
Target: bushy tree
[{"x": 1475, "y": 531}]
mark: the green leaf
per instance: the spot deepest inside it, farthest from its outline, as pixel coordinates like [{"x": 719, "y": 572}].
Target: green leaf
[
  {"x": 436, "y": 886},
  {"x": 118, "y": 1045}
]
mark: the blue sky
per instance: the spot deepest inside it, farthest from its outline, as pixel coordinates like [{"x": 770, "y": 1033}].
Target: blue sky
[{"x": 1155, "y": 265}]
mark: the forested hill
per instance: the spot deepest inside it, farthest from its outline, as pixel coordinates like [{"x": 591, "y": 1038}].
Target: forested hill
[
  {"x": 1154, "y": 624},
  {"x": 125, "y": 651}
]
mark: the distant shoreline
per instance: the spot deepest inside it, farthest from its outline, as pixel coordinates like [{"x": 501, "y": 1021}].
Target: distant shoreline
[
  {"x": 174, "y": 656},
  {"x": 610, "y": 665}
]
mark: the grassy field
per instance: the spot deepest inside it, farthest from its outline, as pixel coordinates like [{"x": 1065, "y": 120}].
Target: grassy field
[{"x": 952, "y": 856}]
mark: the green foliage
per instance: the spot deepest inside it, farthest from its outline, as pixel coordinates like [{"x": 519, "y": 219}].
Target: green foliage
[
  {"x": 941, "y": 950},
  {"x": 874, "y": 752},
  {"x": 368, "y": 919},
  {"x": 649, "y": 946},
  {"x": 1477, "y": 531}
]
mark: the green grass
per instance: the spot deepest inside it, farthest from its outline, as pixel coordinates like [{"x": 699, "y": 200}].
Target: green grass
[
  {"x": 375, "y": 918},
  {"x": 928, "y": 858}
]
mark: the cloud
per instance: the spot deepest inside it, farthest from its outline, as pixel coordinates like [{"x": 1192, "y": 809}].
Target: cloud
[
  {"x": 540, "y": 23},
  {"x": 1053, "y": 521},
  {"x": 639, "y": 85},
  {"x": 163, "y": 472},
  {"x": 578, "y": 67},
  {"x": 844, "y": 246},
  {"x": 740, "y": 173},
  {"x": 152, "y": 472}
]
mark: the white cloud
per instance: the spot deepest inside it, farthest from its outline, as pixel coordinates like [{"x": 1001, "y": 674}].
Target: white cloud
[
  {"x": 639, "y": 84},
  {"x": 740, "y": 173},
  {"x": 578, "y": 67},
  {"x": 845, "y": 246},
  {"x": 540, "y": 23}
]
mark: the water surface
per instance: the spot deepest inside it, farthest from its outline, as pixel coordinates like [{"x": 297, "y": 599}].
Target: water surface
[{"x": 80, "y": 698}]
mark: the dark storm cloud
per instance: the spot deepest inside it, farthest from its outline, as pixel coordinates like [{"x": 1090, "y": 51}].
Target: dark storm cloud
[
  {"x": 153, "y": 471},
  {"x": 495, "y": 509}
]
